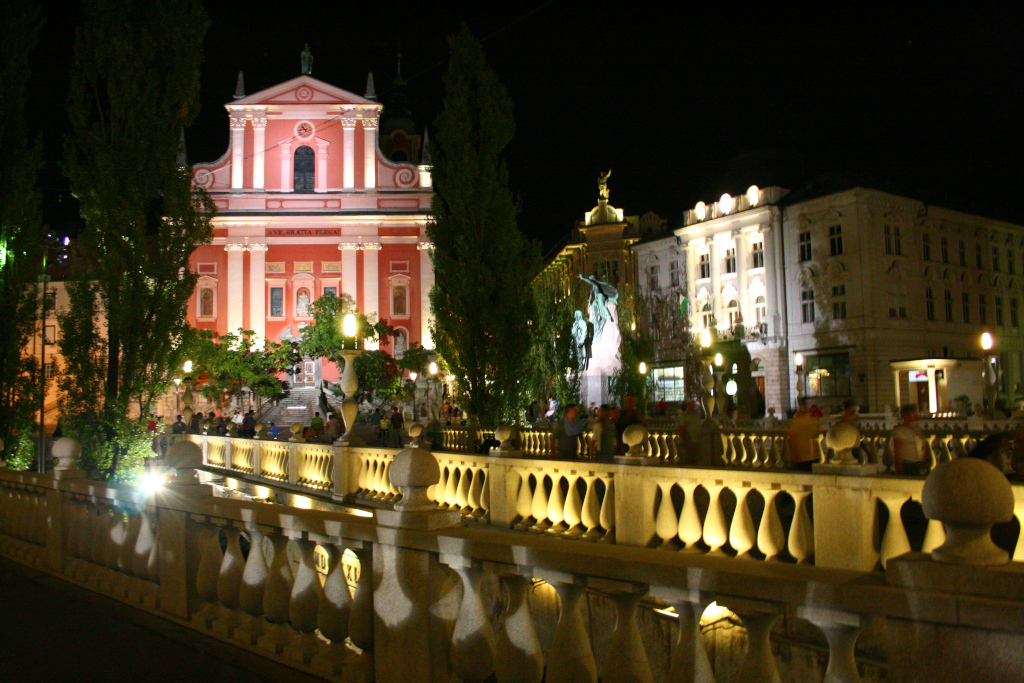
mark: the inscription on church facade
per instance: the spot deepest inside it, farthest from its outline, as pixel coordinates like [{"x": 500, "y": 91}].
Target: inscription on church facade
[{"x": 303, "y": 232}]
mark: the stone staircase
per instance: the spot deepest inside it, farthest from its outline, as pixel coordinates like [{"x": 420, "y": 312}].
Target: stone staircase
[{"x": 298, "y": 406}]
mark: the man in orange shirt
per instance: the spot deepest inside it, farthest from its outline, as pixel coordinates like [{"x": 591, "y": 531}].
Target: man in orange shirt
[{"x": 803, "y": 432}]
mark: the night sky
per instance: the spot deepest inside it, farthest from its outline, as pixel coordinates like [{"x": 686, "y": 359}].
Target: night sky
[{"x": 682, "y": 104}]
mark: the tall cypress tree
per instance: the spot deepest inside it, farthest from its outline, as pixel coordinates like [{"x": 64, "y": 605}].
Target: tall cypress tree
[
  {"x": 483, "y": 264},
  {"x": 20, "y": 233},
  {"x": 134, "y": 87}
]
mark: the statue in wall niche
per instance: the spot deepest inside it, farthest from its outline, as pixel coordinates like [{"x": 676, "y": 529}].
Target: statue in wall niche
[
  {"x": 302, "y": 309},
  {"x": 602, "y": 184},
  {"x": 601, "y": 295},
  {"x": 582, "y": 337}
]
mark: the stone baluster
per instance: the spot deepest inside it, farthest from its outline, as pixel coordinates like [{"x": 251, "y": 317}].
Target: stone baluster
[
  {"x": 334, "y": 611},
  {"x": 524, "y": 499},
  {"x": 518, "y": 655},
  {"x": 361, "y": 476},
  {"x": 666, "y": 524},
  {"x": 114, "y": 536},
  {"x": 716, "y": 532},
  {"x": 690, "y": 531},
  {"x": 556, "y": 506},
  {"x": 473, "y": 646},
  {"x": 277, "y": 597},
  {"x": 690, "y": 663},
  {"x": 360, "y": 623},
  {"x": 126, "y": 555},
  {"x": 451, "y": 490},
  {"x": 607, "y": 517},
  {"x": 485, "y": 496},
  {"x": 250, "y": 592},
  {"x": 570, "y": 659},
  {"x": 894, "y": 541},
  {"x": 476, "y": 492},
  {"x": 741, "y": 531},
  {"x": 207, "y": 574},
  {"x": 590, "y": 511},
  {"x": 539, "y": 511},
  {"x": 573, "y": 510},
  {"x": 758, "y": 664},
  {"x": 770, "y": 536},
  {"x": 229, "y": 581},
  {"x": 801, "y": 533},
  {"x": 462, "y": 493},
  {"x": 390, "y": 492},
  {"x": 626, "y": 658},
  {"x": 841, "y": 629},
  {"x": 145, "y": 544},
  {"x": 304, "y": 606},
  {"x": 379, "y": 482}
]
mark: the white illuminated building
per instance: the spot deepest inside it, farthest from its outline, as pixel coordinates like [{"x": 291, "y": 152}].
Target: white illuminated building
[{"x": 884, "y": 296}]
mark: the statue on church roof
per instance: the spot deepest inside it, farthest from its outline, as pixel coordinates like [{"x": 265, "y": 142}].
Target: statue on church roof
[
  {"x": 602, "y": 184},
  {"x": 307, "y": 61}
]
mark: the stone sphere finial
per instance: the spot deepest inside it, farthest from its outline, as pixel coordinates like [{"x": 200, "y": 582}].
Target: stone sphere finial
[
  {"x": 635, "y": 437},
  {"x": 968, "y": 496},
  {"x": 416, "y": 431},
  {"x": 842, "y": 437},
  {"x": 184, "y": 457},
  {"x": 506, "y": 434},
  {"x": 261, "y": 431},
  {"x": 65, "y": 450},
  {"x": 413, "y": 471},
  {"x": 297, "y": 433}
]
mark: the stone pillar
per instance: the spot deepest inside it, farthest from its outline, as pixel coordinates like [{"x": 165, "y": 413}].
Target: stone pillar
[
  {"x": 716, "y": 279},
  {"x": 348, "y": 270},
  {"x": 896, "y": 383},
  {"x": 426, "y": 284},
  {"x": 320, "y": 177},
  {"x": 371, "y": 287},
  {"x": 258, "y": 292},
  {"x": 691, "y": 278},
  {"x": 259, "y": 143},
  {"x": 235, "y": 286},
  {"x": 370, "y": 153},
  {"x": 348, "y": 127},
  {"x": 741, "y": 278},
  {"x": 237, "y": 151},
  {"x": 774, "y": 309},
  {"x": 287, "y": 175}
]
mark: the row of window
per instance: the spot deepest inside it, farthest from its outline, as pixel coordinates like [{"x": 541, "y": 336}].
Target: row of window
[
  {"x": 965, "y": 310},
  {"x": 835, "y": 243},
  {"x": 732, "y": 312},
  {"x": 207, "y": 304},
  {"x": 893, "y": 245},
  {"x": 729, "y": 262}
]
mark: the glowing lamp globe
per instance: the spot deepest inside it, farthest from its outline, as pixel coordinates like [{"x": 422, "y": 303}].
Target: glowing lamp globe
[
  {"x": 643, "y": 368},
  {"x": 705, "y": 337},
  {"x": 799, "y": 359},
  {"x": 348, "y": 326},
  {"x": 719, "y": 360},
  {"x": 986, "y": 341},
  {"x": 730, "y": 387},
  {"x": 187, "y": 367},
  {"x": 433, "y": 368}
]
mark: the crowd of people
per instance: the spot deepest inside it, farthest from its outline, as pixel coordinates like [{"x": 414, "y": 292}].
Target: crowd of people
[{"x": 216, "y": 423}]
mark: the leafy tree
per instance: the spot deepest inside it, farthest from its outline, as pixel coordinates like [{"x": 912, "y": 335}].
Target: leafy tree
[
  {"x": 134, "y": 86},
  {"x": 553, "y": 350},
  {"x": 482, "y": 263},
  {"x": 232, "y": 362},
  {"x": 636, "y": 347},
  {"x": 20, "y": 232},
  {"x": 378, "y": 375}
]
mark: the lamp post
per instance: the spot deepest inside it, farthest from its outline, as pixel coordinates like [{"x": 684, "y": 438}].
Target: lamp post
[
  {"x": 720, "y": 403},
  {"x": 991, "y": 375},
  {"x": 708, "y": 380},
  {"x": 799, "y": 360},
  {"x": 413, "y": 375},
  {"x": 349, "y": 382}
]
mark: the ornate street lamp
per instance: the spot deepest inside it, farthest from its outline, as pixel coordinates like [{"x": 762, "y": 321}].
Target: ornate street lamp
[
  {"x": 349, "y": 382},
  {"x": 991, "y": 373},
  {"x": 799, "y": 360},
  {"x": 708, "y": 380}
]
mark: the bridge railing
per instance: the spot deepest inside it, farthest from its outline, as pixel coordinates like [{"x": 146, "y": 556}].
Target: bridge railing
[{"x": 353, "y": 598}]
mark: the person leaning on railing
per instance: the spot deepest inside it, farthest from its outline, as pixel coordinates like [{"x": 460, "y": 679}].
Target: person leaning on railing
[
  {"x": 803, "y": 429},
  {"x": 907, "y": 446},
  {"x": 565, "y": 434}
]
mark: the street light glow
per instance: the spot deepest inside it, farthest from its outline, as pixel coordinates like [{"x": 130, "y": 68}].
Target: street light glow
[
  {"x": 187, "y": 367},
  {"x": 643, "y": 368},
  {"x": 986, "y": 341},
  {"x": 433, "y": 368},
  {"x": 151, "y": 482},
  {"x": 730, "y": 387},
  {"x": 705, "y": 337},
  {"x": 413, "y": 376},
  {"x": 348, "y": 327},
  {"x": 719, "y": 360},
  {"x": 799, "y": 359}
]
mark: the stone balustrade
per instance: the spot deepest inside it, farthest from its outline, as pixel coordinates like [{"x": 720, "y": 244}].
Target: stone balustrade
[{"x": 392, "y": 598}]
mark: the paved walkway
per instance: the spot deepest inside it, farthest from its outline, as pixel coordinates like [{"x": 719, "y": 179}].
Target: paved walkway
[{"x": 51, "y": 630}]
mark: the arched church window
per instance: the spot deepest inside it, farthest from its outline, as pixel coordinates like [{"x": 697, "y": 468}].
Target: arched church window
[
  {"x": 304, "y": 165},
  {"x": 399, "y": 304}
]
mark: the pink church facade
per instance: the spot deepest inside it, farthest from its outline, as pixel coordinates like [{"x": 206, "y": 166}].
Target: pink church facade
[{"x": 307, "y": 203}]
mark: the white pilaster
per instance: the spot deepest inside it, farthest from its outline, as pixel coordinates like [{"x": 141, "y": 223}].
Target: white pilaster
[
  {"x": 287, "y": 175},
  {"x": 258, "y": 292},
  {"x": 371, "y": 279},
  {"x": 236, "y": 253},
  {"x": 426, "y": 284},
  {"x": 237, "y": 151},
  {"x": 741, "y": 275},
  {"x": 348, "y": 269},
  {"x": 321, "y": 165},
  {"x": 370, "y": 153},
  {"x": 691, "y": 279},
  {"x": 259, "y": 144},
  {"x": 348, "y": 127},
  {"x": 716, "y": 280}
]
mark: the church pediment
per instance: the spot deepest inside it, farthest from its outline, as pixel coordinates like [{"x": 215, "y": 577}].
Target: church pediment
[{"x": 304, "y": 90}]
